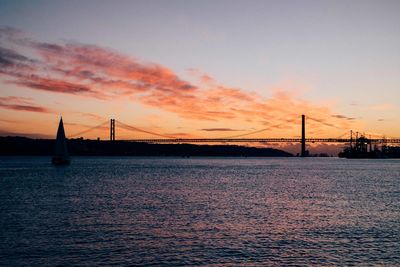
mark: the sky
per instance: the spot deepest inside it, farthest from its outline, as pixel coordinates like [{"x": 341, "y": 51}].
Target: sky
[{"x": 200, "y": 68}]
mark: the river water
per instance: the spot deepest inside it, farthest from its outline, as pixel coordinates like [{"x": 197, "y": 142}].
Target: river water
[{"x": 199, "y": 211}]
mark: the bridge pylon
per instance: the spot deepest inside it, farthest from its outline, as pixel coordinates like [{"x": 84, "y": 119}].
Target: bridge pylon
[
  {"x": 304, "y": 152},
  {"x": 112, "y": 130}
]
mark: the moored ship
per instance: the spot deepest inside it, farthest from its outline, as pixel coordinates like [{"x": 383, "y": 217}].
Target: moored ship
[{"x": 363, "y": 148}]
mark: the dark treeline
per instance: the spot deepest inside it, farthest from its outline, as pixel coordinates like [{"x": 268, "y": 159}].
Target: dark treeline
[{"x": 80, "y": 147}]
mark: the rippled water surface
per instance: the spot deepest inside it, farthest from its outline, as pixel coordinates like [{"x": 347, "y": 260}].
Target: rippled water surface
[{"x": 202, "y": 211}]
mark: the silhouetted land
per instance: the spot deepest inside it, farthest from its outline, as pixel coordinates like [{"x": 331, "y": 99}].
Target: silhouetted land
[{"x": 80, "y": 147}]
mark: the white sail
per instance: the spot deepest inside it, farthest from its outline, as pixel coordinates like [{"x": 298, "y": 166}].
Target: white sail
[{"x": 61, "y": 153}]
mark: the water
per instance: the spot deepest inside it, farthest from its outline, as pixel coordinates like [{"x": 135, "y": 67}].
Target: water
[{"x": 201, "y": 211}]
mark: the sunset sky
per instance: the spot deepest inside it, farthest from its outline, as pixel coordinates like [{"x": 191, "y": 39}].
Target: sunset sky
[{"x": 200, "y": 68}]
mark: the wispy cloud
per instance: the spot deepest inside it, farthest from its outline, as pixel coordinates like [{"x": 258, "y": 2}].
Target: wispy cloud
[
  {"x": 92, "y": 116},
  {"x": 220, "y": 130},
  {"x": 338, "y": 116},
  {"x": 21, "y": 104}
]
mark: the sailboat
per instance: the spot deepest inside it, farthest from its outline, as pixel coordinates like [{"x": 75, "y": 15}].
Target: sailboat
[{"x": 61, "y": 156}]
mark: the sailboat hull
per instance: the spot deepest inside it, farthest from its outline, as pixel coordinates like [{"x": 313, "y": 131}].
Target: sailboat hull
[{"x": 60, "y": 161}]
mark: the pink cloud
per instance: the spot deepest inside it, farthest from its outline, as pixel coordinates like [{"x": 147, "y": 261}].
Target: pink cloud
[
  {"x": 53, "y": 85},
  {"x": 21, "y": 104}
]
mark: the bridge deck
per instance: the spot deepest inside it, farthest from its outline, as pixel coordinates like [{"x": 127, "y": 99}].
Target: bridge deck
[{"x": 259, "y": 140}]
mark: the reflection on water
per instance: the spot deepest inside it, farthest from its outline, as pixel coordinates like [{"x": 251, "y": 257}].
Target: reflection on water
[{"x": 142, "y": 211}]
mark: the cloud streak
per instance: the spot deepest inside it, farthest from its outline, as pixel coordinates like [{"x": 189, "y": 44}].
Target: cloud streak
[
  {"x": 338, "y": 116},
  {"x": 220, "y": 130},
  {"x": 21, "y": 104}
]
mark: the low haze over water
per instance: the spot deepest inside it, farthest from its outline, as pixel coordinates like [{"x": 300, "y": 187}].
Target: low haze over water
[{"x": 223, "y": 211}]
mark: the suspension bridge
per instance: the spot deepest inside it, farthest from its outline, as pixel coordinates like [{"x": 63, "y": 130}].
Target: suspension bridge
[{"x": 166, "y": 139}]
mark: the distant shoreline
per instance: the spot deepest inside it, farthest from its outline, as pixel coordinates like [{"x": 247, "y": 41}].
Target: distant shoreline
[{"x": 22, "y": 146}]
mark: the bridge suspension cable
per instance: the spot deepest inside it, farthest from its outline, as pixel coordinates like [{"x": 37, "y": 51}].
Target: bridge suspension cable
[
  {"x": 88, "y": 130},
  {"x": 324, "y": 123},
  {"x": 135, "y": 129},
  {"x": 283, "y": 123},
  {"x": 261, "y": 130},
  {"x": 342, "y": 135}
]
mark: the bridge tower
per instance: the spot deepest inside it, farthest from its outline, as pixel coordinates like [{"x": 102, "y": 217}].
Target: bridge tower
[
  {"x": 303, "y": 136},
  {"x": 112, "y": 130}
]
